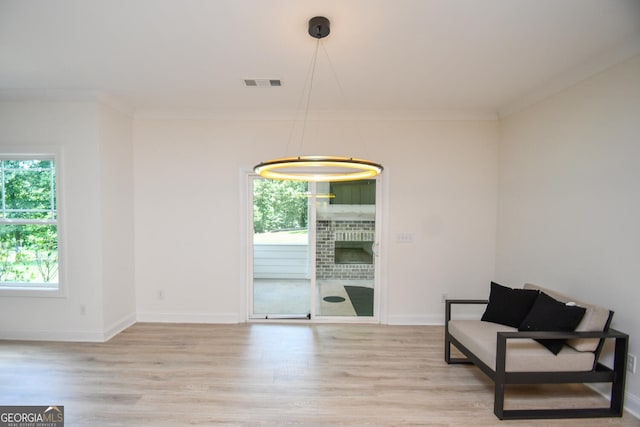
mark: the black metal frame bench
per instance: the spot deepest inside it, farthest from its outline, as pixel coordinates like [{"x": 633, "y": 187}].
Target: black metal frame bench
[{"x": 501, "y": 378}]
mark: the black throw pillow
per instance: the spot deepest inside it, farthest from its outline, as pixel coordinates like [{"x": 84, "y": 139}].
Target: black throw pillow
[
  {"x": 508, "y": 306},
  {"x": 549, "y": 314}
]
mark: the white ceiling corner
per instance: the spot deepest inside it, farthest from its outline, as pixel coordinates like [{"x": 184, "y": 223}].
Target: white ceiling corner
[{"x": 406, "y": 59}]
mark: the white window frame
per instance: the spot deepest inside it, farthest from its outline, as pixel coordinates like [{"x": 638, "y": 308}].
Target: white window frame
[{"x": 40, "y": 289}]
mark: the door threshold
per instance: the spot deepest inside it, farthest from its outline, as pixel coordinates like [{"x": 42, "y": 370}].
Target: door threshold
[{"x": 281, "y": 317}]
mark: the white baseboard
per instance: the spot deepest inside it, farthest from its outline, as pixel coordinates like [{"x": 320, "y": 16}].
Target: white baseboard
[
  {"x": 415, "y": 320},
  {"x": 188, "y": 318},
  {"x": 631, "y": 402},
  {"x": 69, "y": 336},
  {"x": 119, "y": 326},
  {"x": 426, "y": 319}
]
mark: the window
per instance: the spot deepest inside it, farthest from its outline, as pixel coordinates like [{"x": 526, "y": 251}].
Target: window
[{"x": 28, "y": 224}]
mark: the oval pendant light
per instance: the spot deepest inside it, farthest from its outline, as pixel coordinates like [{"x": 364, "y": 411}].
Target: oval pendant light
[{"x": 318, "y": 168}]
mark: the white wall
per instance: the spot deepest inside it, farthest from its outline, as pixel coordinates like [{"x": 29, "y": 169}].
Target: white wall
[
  {"x": 190, "y": 225},
  {"x": 96, "y": 174},
  {"x": 443, "y": 191},
  {"x": 569, "y": 211},
  {"x": 116, "y": 217},
  {"x": 71, "y": 127}
]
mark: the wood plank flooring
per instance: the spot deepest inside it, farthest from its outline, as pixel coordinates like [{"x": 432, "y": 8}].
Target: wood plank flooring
[{"x": 266, "y": 375}]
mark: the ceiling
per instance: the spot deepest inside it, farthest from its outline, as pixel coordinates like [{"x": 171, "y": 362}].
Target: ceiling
[{"x": 400, "y": 57}]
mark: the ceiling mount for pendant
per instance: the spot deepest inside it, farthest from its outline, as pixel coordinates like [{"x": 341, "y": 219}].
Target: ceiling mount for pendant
[
  {"x": 319, "y": 27},
  {"x": 318, "y": 168}
]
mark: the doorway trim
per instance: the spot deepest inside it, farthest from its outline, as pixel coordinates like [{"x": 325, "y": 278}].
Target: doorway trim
[{"x": 246, "y": 294}]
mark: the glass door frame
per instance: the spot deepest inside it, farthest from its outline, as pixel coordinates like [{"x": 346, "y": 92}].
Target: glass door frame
[
  {"x": 312, "y": 217},
  {"x": 376, "y": 264}
]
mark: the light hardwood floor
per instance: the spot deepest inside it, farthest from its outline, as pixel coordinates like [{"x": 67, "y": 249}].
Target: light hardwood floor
[{"x": 266, "y": 375}]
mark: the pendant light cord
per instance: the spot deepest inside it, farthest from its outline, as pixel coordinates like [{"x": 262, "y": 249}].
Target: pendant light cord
[
  {"x": 306, "y": 110},
  {"x": 317, "y": 168}
]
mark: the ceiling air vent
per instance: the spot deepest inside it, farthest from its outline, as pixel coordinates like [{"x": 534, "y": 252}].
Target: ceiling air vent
[{"x": 262, "y": 83}]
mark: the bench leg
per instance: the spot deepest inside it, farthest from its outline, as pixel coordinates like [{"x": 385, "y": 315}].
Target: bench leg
[
  {"x": 498, "y": 400},
  {"x": 453, "y": 360},
  {"x": 620, "y": 370},
  {"x": 447, "y": 350}
]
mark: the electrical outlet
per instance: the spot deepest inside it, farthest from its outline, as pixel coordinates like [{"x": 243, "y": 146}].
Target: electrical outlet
[
  {"x": 160, "y": 295},
  {"x": 83, "y": 310},
  {"x": 631, "y": 364},
  {"x": 443, "y": 298}
]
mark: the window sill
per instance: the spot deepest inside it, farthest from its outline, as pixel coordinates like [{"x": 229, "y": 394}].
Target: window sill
[{"x": 31, "y": 292}]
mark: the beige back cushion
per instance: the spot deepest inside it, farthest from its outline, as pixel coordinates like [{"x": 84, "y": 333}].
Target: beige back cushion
[{"x": 595, "y": 319}]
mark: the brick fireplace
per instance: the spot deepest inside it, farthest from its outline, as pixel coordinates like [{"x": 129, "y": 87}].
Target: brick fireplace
[{"x": 352, "y": 241}]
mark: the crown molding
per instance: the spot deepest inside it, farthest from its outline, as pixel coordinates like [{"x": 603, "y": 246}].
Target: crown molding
[
  {"x": 326, "y": 115},
  {"x": 63, "y": 95}
]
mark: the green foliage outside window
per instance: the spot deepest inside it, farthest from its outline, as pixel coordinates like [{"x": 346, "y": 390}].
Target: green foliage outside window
[
  {"x": 28, "y": 222},
  {"x": 279, "y": 205}
]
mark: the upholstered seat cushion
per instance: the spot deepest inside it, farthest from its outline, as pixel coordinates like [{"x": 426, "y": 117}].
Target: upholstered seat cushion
[{"x": 523, "y": 355}]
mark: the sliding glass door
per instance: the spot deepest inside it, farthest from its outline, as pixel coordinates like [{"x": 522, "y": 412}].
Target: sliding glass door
[
  {"x": 281, "y": 259},
  {"x": 345, "y": 249},
  {"x": 314, "y": 250}
]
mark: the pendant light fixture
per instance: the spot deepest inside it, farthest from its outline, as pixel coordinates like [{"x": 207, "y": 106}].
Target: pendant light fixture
[{"x": 317, "y": 168}]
